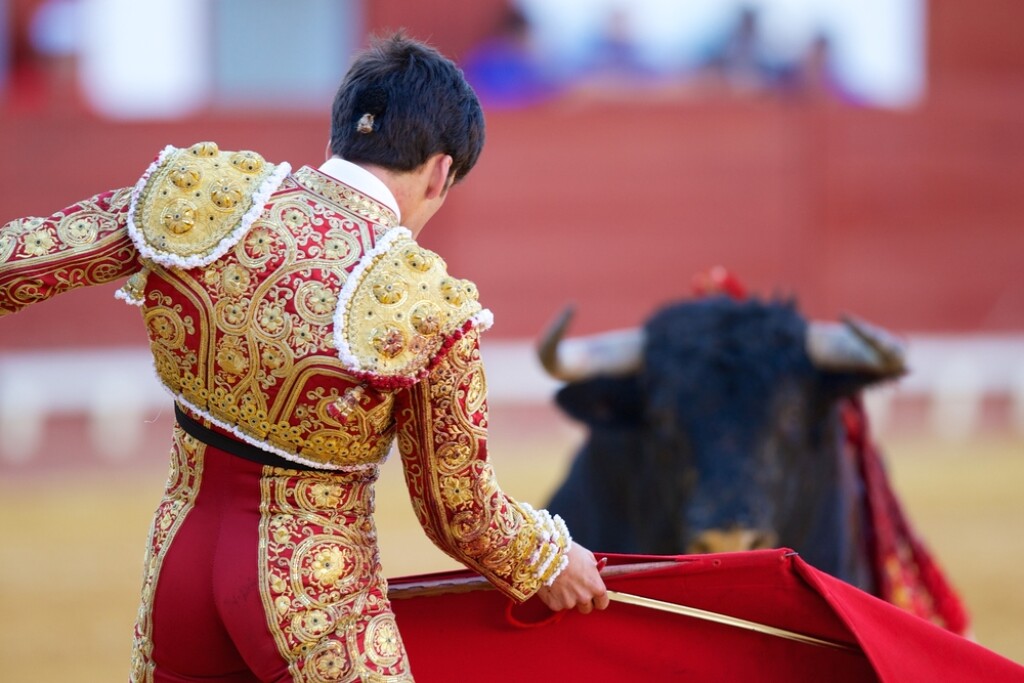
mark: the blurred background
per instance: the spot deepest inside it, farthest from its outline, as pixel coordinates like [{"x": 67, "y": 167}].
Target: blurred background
[{"x": 862, "y": 157}]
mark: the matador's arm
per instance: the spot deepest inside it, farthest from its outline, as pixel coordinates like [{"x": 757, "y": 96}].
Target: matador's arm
[
  {"x": 442, "y": 436},
  {"x": 85, "y": 244}
]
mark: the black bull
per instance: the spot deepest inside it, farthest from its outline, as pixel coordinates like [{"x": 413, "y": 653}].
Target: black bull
[{"x": 716, "y": 427}]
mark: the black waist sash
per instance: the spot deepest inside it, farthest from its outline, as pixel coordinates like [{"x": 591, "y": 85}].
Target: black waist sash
[{"x": 233, "y": 446}]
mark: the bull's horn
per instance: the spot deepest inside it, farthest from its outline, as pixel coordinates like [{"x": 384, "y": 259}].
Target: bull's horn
[
  {"x": 855, "y": 346},
  {"x": 608, "y": 353}
]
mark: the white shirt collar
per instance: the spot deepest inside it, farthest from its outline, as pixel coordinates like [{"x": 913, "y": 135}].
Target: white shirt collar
[{"x": 359, "y": 178}]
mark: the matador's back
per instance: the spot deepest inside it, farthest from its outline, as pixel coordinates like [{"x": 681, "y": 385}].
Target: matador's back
[{"x": 286, "y": 307}]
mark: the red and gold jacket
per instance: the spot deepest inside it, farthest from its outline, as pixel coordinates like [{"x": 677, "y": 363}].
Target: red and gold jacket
[{"x": 292, "y": 311}]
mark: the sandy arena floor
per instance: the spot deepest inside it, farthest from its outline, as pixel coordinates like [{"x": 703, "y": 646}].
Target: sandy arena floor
[{"x": 71, "y": 542}]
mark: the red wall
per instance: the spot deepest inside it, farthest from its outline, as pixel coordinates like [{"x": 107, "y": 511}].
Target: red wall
[{"x": 911, "y": 219}]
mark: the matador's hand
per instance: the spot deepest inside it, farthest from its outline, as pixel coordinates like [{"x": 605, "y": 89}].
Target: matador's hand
[{"x": 579, "y": 585}]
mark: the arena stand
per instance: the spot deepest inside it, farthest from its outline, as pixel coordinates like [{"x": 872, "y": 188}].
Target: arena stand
[{"x": 908, "y": 218}]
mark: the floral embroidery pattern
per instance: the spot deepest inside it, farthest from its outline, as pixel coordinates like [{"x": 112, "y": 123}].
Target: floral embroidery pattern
[
  {"x": 85, "y": 244},
  {"x": 342, "y": 195},
  {"x": 442, "y": 439},
  {"x": 247, "y": 341},
  {"x": 320, "y": 578}
]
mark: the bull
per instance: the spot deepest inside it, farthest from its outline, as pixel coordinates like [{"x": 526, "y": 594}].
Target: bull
[{"x": 716, "y": 427}]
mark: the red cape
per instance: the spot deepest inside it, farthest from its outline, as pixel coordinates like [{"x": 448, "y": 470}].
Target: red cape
[{"x": 455, "y": 628}]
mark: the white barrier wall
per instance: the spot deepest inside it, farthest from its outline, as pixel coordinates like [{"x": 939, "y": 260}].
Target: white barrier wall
[{"x": 117, "y": 392}]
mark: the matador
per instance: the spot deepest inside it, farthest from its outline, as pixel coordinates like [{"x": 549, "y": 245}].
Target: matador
[{"x": 301, "y": 331}]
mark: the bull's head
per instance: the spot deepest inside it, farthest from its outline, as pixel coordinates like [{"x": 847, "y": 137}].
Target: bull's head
[{"x": 714, "y": 427}]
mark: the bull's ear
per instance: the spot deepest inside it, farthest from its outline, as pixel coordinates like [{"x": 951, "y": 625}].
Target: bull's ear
[
  {"x": 854, "y": 346},
  {"x": 603, "y": 401}
]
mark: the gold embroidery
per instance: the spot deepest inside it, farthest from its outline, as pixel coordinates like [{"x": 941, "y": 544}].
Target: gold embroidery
[
  {"x": 316, "y": 302},
  {"x": 347, "y": 198},
  {"x": 456, "y": 497},
  {"x": 83, "y": 227},
  {"x": 403, "y": 309},
  {"x": 186, "y": 471},
  {"x": 85, "y": 244},
  {"x": 320, "y": 578},
  {"x": 197, "y": 197},
  {"x": 249, "y": 338},
  {"x": 135, "y": 288}
]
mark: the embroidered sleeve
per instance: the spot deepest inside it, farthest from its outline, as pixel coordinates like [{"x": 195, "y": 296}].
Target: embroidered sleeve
[
  {"x": 85, "y": 244},
  {"x": 442, "y": 436}
]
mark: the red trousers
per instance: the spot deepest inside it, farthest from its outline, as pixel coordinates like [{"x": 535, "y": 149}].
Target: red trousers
[{"x": 257, "y": 573}]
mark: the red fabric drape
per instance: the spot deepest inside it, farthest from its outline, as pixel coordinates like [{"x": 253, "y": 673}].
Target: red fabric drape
[
  {"x": 452, "y": 633},
  {"x": 905, "y": 572}
]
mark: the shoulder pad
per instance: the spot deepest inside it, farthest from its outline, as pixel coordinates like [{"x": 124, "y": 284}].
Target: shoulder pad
[
  {"x": 400, "y": 310},
  {"x": 192, "y": 205}
]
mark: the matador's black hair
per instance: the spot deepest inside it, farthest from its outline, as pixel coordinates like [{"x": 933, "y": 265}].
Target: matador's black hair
[{"x": 401, "y": 102}]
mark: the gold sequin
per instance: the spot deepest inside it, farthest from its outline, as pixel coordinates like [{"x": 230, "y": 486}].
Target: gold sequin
[
  {"x": 225, "y": 195},
  {"x": 248, "y": 162},
  {"x": 184, "y": 176},
  {"x": 389, "y": 291}
]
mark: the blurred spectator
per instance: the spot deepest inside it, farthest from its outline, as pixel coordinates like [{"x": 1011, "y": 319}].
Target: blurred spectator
[
  {"x": 869, "y": 51},
  {"x": 506, "y": 69},
  {"x": 613, "y": 58},
  {"x": 38, "y": 40},
  {"x": 54, "y": 37},
  {"x": 740, "y": 62},
  {"x": 53, "y": 28},
  {"x": 815, "y": 75}
]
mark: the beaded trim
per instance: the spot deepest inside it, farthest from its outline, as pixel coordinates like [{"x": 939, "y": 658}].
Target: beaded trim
[
  {"x": 133, "y": 291},
  {"x": 128, "y": 298},
  {"x": 552, "y": 553},
  {"x": 482, "y": 320},
  {"x": 349, "y": 288},
  {"x": 259, "y": 200}
]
